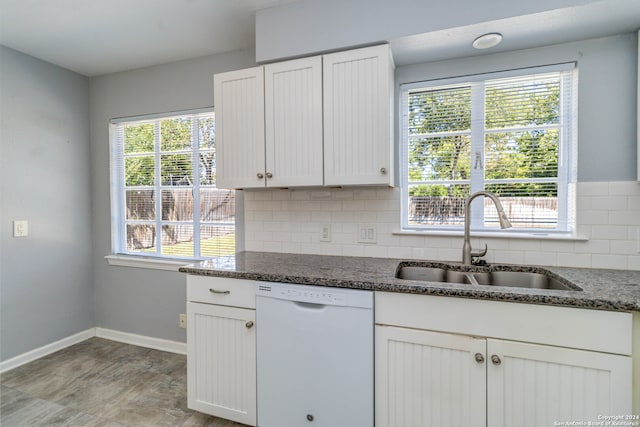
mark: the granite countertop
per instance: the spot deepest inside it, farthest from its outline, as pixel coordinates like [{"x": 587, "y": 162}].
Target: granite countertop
[{"x": 602, "y": 289}]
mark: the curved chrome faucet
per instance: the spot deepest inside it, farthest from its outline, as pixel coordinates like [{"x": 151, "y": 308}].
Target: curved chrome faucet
[{"x": 467, "y": 253}]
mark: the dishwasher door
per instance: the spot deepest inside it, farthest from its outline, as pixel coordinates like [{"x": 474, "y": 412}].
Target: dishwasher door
[{"x": 315, "y": 356}]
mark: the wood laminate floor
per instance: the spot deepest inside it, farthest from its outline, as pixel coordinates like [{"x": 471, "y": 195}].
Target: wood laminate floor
[{"x": 100, "y": 382}]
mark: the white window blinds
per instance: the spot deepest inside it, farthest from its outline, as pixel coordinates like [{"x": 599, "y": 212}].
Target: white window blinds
[
  {"x": 510, "y": 135},
  {"x": 164, "y": 199}
]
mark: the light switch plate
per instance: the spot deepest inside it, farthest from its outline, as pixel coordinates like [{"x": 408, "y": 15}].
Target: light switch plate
[
  {"x": 20, "y": 228},
  {"x": 367, "y": 233},
  {"x": 325, "y": 233}
]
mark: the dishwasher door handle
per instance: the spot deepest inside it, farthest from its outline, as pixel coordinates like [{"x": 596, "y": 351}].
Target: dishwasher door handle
[{"x": 310, "y": 305}]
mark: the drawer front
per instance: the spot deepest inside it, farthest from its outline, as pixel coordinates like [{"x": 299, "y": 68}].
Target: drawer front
[
  {"x": 597, "y": 330},
  {"x": 221, "y": 291}
]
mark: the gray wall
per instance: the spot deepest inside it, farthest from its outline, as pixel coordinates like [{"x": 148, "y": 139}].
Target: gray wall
[
  {"x": 136, "y": 300},
  {"x": 607, "y": 101},
  {"x": 301, "y": 28},
  {"x": 46, "y": 282}
]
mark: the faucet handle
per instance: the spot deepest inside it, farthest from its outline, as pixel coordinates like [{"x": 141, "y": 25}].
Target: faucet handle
[{"x": 481, "y": 253}]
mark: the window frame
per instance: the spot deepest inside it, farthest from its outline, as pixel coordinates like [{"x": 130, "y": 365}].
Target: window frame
[
  {"x": 119, "y": 254},
  {"x": 567, "y": 151}
]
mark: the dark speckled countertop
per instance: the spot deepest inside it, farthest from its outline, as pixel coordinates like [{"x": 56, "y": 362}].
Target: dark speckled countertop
[{"x": 602, "y": 289}]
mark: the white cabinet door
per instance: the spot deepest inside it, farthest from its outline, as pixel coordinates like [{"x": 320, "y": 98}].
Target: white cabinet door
[
  {"x": 536, "y": 385},
  {"x": 239, "y": 109},
  {"x": 221, "y": 363},
  {"x": 358, "y": 117},
  {"x": 293, "y": 123},
  {"x": 429, "y": 379}
]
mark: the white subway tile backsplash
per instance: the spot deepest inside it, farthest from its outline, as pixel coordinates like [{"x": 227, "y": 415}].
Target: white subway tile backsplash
[
  {"x": 608, "y": 203},
  {"x": 608, "y": 214},
  {"x": 609, "y": 261},
  {"x": 609, "y": 232},
  {"x": 593, "y": 247},
  {"x": 593, "y": 189},
  {"x": 633, "y": 203},
  {"x": 624, "y": 188},
  {"x": 541, "y": 258},
  {"x": 633, "y": 262},
  {"x": 574, "y": 260},
  {"x": 624, "y": 217},
  {"x": 593, "y": 217}
]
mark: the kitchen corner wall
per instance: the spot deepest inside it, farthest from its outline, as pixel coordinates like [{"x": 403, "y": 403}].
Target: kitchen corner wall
[
  {"x": 46, "y": 282},
  {"x": 608, "y": 214}
]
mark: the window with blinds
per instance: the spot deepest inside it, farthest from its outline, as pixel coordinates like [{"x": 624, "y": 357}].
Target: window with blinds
[
  {"x": 509, "y": 133},
  {"x": 163, "y": 188}
]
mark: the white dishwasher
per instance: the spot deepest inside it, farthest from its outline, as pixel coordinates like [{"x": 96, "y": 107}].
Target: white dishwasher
[{"x": 315, "y": 356}]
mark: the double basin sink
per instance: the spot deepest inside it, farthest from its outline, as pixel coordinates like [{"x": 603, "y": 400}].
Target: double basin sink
[{"x": 509, "y": 276}]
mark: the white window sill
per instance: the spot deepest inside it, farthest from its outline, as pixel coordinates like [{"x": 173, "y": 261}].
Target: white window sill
[
  {"x": 147, "y": 262},
  {"x": 494, "y": 234}
]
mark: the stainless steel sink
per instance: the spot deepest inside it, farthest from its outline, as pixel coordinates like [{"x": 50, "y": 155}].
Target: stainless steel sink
[
  {"x": 521, "y": 279},
  {"x": 539, "y": 279},
  {"x": 425, "y": 274}
]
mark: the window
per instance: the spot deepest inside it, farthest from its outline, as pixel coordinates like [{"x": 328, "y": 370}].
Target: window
[
  {"x": 509, "y": 133},
  {"x": 164, "y": 199}
]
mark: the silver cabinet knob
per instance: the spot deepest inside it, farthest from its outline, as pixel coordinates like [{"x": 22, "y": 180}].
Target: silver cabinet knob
[
  {"x": 495, "y": 360},
  {"x": 216, "y": 291},
  {"x": 269, "y": 175},
  {"x": 383, "y": 171},
  {"x": 249, "y": 324},
  {"x": 260, "y": 175},
  {"x": 479, "y": 357}
]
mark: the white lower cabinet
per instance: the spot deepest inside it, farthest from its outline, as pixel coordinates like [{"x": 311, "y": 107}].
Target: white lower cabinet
[
  {"x": 537, "y": 385},
  {"x": 428, "y": 379},
  {"x": 221, "y": 348},
  {"x": 452, "y": 379}
]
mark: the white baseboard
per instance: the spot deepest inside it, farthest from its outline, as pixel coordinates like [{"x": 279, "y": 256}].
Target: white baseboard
[
  {"x": 142, "y": 341},
  {"x": 39, "y": 352},
  {"x": 110, "y": 334}
]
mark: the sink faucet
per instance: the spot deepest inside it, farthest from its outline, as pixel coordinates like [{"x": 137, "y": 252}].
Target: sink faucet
[{"x": 467, "y": 253}]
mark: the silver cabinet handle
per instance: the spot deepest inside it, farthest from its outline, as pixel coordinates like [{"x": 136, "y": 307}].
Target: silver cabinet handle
[
  {"x": 215, "y": 291},
  {"x": 383, "y": 171},
  {"x": 495, "y": 360},
  {"x": 260, "y": 175},
  {"x": 249, "y": 324},
  {"x": 269, "y": 175},
  {"x": 479, "y": 357}
]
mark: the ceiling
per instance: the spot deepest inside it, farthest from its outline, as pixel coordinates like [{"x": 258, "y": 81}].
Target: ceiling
[
  {"x": 595, "y": 19},
  {"x": 95, "y": 37}
]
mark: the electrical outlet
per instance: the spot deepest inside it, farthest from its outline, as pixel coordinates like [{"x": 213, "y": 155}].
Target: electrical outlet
[
  {"x": 20, "y": 228},
  {"x": 325, "y": 233},
  {"x": 367, "y": 233},
  {"x": 183, "y": 321}
]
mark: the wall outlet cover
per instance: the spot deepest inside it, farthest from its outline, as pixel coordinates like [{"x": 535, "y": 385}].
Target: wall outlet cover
[{"x": 20, "y": 228}]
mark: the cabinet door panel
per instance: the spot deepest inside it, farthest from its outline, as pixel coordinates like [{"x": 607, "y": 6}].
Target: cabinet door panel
[
  {"x": 358, "y": 126},
  {"x": 429, "y": 379},
  {"x": 293, "y": 122},
  {"x": 239, "y": 109},
  {"x": 221, "y": 364},
  {"x": 537, "y": 385}
]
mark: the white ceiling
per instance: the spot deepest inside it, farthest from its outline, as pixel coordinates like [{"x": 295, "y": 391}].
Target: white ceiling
[
  {"x": 596, "y": 19},
  {"x": 94, "y": 37}
]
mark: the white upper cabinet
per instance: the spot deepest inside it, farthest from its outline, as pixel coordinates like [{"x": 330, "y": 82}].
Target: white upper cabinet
[
  {"x": 293, "y": 123},
  {"x": 239, "y": 108},
  {"x": 324, "y": 120},
  {"x": 358, "y": 117}
]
